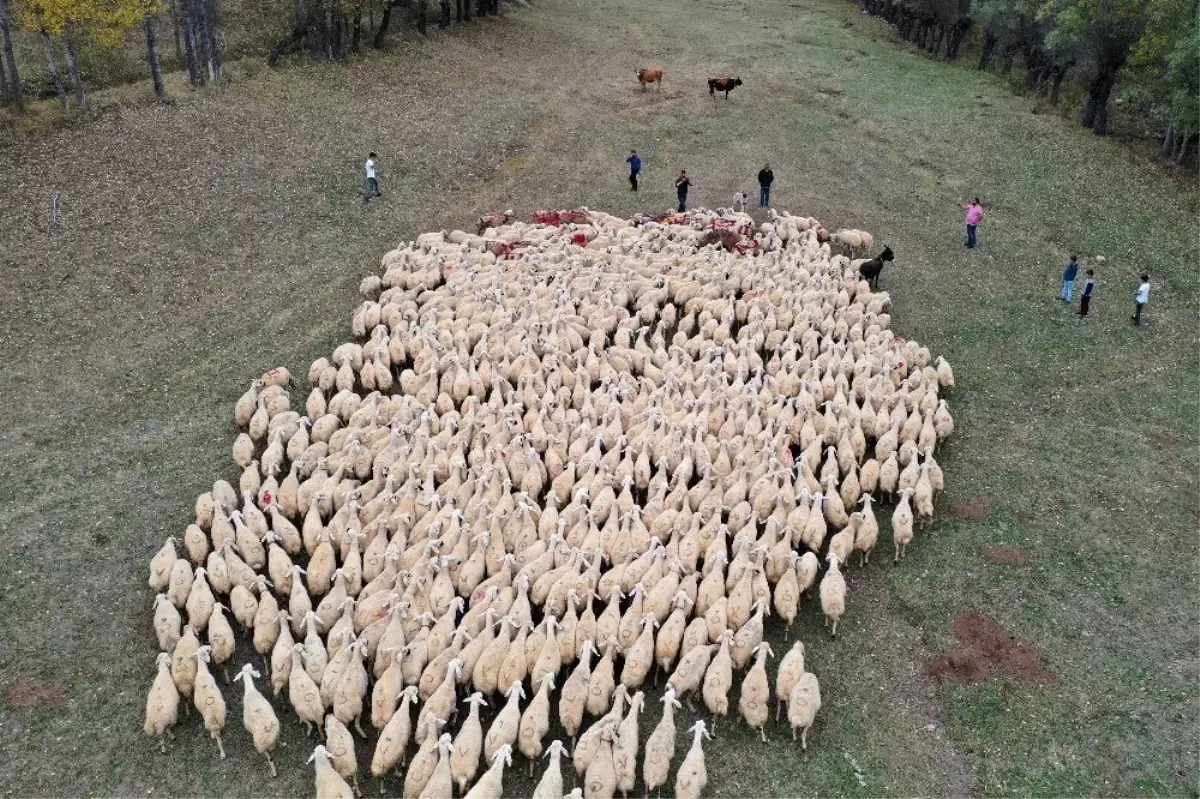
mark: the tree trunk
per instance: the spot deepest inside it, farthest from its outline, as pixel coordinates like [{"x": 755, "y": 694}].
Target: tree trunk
[
  {"x": 14, "y": 75},
  {"x": 481, "y": 8},
  {"x": 444, "y": 17},
  {"x": 356, "y": 39},
  {"x": 381, "y": 34},
  {"x": 288, "y": 43},
  {"x": 160, "y": 90},
  {"x": 1010, "y": 53},
  {"x": 1095, "y": 114},
  {"x": 73, "y": 68},
  {"x": 1056, "y": 82},
  {"x": 1185, "y": 143},
  {"x": 988, "y": 52},
  {"x": 338, "y": 15},
  {"x": 187, "y": 23},
  {"x": 5, "y": 92},
  {"x": 173, "y": 7},
  {"x": 53, "y": 66},
  {"x": 422, "y": 15},
  {"x": 212, "y": 45}
]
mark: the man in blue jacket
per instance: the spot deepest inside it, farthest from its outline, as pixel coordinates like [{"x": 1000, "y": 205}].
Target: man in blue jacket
[{"x": 635, "y": 166}]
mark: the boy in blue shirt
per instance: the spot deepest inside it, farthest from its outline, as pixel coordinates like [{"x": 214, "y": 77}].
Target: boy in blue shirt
[
  {"x": 1069, "y": 275},
  {"x": 1089, "y": 289}
]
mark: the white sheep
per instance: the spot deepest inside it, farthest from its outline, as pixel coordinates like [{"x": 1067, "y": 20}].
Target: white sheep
[
  {"x": 491, "y": 784},
  {"x": 755, "y": 699},
  {"x": 790, "y": 669},
  {"x": 693, "y": 773},
  {"x": 833, "y": 595},
  {"x": 660, "y": 748},
  {"x": 329, "y": 783},
  {"x": 258, "y": 717},
  {"x": 803, "y": 704},
  {"x": 207, "y": 698},
  {"x": 550, "y": 786},
  {"x": 162, "y": 705}
]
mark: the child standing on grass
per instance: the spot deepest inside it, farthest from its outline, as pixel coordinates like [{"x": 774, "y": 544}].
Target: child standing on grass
[
  {"x": 1085, "y": 300},
  {"x": 1069, "y": 275},
  {"x": 372, "y": 178},
  {"x": 1141, "y": 297}
]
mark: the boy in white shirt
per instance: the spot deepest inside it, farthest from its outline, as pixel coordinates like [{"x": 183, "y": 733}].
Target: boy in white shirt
[
  {"x": 1141, "y": 297},
  {"x": 372, "y": 179}
]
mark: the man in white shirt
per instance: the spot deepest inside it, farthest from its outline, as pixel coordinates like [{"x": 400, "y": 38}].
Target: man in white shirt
[
  {"x": 1141, "y": 297},
  {"x": 372, "y": 179}
]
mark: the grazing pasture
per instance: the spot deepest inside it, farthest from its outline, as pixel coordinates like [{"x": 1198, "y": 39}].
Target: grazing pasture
[{"x": 1039, "y": 638}]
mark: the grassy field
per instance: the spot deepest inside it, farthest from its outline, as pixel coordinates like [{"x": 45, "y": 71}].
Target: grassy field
[{"x": 206, "y": 241}]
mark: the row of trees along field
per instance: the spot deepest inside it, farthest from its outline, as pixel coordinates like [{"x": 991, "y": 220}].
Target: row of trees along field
[
  {"x": 81, "y": 42},
  {"x": 1082, "y": 55},
  {"x": 1150, "y": 49}
]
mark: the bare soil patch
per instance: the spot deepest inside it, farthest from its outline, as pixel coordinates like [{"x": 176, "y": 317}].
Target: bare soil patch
[
  {"x": 1006, "y": 556},
  {"x": 976, "y": 508},
  {"x": 989, "y": 651},
  {"x": 1162, "y": 440},
  {"x": 30, "y": 693}
]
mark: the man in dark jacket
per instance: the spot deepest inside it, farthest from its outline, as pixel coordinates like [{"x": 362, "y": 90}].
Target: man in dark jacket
[
  {"x": 635, "y": 166},
  {"x": 682, "y": 184},
  {"x": 765, "y": 178}
]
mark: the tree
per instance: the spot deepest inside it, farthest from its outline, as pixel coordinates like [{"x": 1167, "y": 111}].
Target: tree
[
  {"x": 1102, "y": 32},
  {"x": 1182, "y": 105},
  {"x": 14, "y": 74},
  {"x": 105, "y": 22},
  {"x": 160, "y": 89}
]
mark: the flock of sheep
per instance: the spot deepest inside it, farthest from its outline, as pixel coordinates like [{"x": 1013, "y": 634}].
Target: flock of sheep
[{"x": 554, "y": 460}]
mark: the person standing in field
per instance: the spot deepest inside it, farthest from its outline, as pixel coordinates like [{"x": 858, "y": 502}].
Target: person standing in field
[
  {"x": 682, "y": 184},
  {"x": 1069, "y": 275},
  {"x": 635, "y": 167},
  {"x": 1141, "y": 297},
  {"x": 1089, "y": 289},
  {"x": 765, "y": 178},
  {"x": 974, "y": 217},
  {"x": 372, "y": 177}
]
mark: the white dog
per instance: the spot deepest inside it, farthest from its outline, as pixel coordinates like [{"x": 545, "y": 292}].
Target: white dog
[{"x": 740, "y": 200}]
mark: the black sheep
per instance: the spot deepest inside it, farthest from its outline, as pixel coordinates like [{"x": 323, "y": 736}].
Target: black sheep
[{"x": 870, "y": 269}]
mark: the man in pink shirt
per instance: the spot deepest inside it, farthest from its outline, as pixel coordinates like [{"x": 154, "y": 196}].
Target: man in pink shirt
[{"x": 974, "y": 217}]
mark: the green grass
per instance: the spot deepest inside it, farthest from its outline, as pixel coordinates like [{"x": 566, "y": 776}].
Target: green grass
[{"x": 209, "y": 240}]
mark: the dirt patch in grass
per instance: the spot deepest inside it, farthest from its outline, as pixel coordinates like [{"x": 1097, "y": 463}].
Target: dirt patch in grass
[
  {"x": 31, "y": 693},
  {"x": 976, "y": 508},
  {"x": 1006, "y": 556},
  {"x": 1162, "y": 440},
  {"x": 989, "y": 651}
]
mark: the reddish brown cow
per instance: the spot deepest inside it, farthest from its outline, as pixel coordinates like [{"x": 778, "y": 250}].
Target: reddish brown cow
[
  {"x": 493, "y": 219},
  {"x": 650, "y": 75}
]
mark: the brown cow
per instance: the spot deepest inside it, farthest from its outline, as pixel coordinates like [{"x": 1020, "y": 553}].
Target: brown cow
[
  {"x": 723, "y": 84},
  {"x": 650, "y": 75},
  {"x": 493, "y": 219}
]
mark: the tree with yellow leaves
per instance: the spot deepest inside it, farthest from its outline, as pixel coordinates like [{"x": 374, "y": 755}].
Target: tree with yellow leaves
[{"x": 104, "y": 22}]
